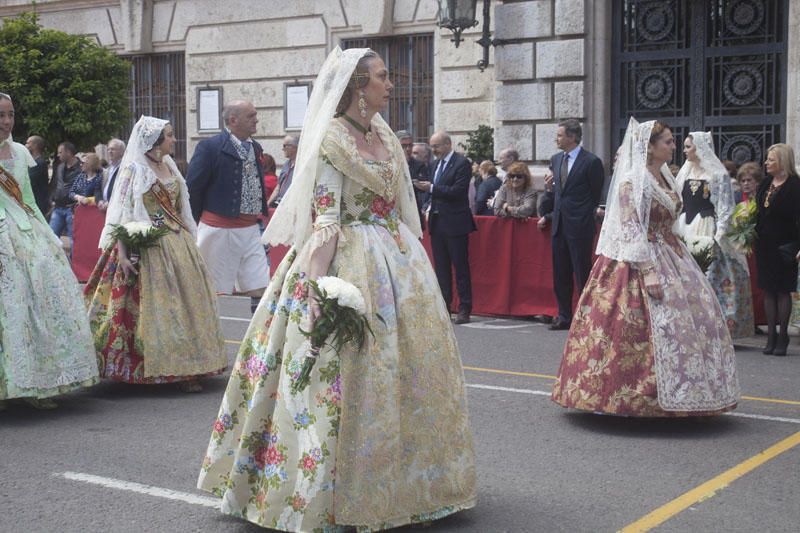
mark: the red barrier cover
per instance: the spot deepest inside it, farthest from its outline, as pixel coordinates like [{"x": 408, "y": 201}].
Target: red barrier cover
[{"x": 87, "y": 223}]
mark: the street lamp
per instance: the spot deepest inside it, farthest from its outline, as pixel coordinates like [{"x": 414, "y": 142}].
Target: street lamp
[{"x": 459, "y": 15}]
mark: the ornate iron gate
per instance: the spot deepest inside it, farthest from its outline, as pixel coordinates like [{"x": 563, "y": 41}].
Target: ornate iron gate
[{"x": 713, "y": 65}]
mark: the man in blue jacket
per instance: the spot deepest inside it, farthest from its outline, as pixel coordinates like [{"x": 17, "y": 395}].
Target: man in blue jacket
[
  {"x": 573, "y": 193},
  {"x": 226, "y": 193}
]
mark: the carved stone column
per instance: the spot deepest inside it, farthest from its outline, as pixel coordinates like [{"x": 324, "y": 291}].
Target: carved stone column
[{"x": 137, "y": 25}]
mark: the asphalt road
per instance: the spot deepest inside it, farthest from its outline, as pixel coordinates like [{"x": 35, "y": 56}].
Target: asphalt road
[{"x": 125, "y": 458}]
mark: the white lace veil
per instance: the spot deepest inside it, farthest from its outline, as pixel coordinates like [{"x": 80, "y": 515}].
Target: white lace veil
[
  {"x": 716, "y": 174},
  {"x": 623, "y": 236},
  {"x": 136, "y": 177},
  {"x": 292, "y": 221}
]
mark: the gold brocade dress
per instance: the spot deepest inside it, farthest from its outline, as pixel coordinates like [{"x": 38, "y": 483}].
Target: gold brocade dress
[
  {"x": 164, "y": 327},
  {"x": 380, "y": 437}
]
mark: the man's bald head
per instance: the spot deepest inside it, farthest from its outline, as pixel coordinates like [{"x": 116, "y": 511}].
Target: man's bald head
[
  {"x": 241, "y": 117},
  {"x": 441, "y": 144}
]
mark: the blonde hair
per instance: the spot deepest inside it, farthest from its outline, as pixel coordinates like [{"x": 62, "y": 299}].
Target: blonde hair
[
  {"x": 750, "y": 169},
  {"x": 92, "y": 163},
  {"x": 487, "y": 167},
  {"x": 785, "y": 156}
]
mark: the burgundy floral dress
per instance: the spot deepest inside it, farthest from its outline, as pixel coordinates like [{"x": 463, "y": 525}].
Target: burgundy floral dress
[{"x": 633, "y": 355}]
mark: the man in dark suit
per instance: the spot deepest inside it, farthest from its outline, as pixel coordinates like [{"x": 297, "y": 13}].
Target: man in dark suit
[
  {"x": 450, "y": 222},
  {"x": 226, "y": 193},
  {"x": 105, "y": 187},
  {"x": 417, "y": 169},
  {"x": 40, "y": 181},
  {"x": 573, "y": 193}
]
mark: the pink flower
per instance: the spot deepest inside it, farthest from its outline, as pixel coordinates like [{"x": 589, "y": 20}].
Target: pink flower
[
  {"x": 381, "y": 207},
  {"x": 274, "y": 456},
  {"x": 309, "y": 463},
  {"x": 299, "y": 293},
  {"x": 261, "y": 457},
  {"x": 218, "y": 427},
  {"x": 325, "y": 201}
]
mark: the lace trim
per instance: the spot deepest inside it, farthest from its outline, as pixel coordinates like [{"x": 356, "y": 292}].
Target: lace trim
[{"x": 323, "y": 234}]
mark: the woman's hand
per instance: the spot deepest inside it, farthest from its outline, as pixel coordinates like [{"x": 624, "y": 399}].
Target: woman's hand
[
  {"x": 81, "y": 199},
  {"x": 313, "y": 308},
  {"x": 124, "y": 263},
  {"x": 652, "y": 285}
]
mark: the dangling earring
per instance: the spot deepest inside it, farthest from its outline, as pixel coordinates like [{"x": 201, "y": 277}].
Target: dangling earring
[
  {"x": 158, "y": 154},
  {"x": 362, "y": 104}
]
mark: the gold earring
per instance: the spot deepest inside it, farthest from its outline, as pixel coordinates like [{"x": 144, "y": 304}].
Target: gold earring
[
  {"x": 158, "y": 153},
  {"x": 362, "y": 104}
]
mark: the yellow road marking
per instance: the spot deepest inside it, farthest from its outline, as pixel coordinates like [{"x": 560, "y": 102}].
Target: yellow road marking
[
  {"x": 508, "y": 372},
  {"x": 710, "y": 487},
  {"x": 548, "y": 376}
]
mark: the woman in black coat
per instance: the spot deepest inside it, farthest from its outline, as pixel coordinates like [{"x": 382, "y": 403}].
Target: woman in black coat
[{"x": 777, "y": 242}]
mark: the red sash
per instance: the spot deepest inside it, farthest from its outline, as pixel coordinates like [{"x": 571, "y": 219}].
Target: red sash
[{"x": 166, "y": 204}]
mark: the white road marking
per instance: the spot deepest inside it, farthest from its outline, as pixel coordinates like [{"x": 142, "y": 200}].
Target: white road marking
[
  {"x": 508, "y": 389},
  {"x": 235, "y": 319},
  {"x": 546, "y": 393},
  {"x": 150, "y": 490},
  {"x": 486, "y": 325}
]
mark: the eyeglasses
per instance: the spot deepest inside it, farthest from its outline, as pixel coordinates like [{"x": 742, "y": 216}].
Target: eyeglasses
[
  {"x": 517, "y": 176},
  {"x": 406, "y": 145},
  {"x": 288, "y": 145}
]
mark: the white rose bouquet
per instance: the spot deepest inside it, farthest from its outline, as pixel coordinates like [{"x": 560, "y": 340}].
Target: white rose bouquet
[
  {"x": 136, "y": 236},
  {"x": 702, "y": 250},
  {"x": 341, "y": 320}
]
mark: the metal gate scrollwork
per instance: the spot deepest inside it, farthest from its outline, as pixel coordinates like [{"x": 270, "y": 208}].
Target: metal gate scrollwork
[{"x": 713, "y": 65}]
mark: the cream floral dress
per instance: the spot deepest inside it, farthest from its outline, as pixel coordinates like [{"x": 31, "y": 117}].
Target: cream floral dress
[{"x": 380, "y": 438}]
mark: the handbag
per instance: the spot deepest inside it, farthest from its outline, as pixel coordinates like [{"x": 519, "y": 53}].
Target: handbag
[{"x": 788, "y": 251}]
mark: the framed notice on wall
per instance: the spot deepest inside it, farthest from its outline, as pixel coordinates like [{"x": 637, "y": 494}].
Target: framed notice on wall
[
  {"x": 296, "y": 97},
  {"x": 209, "y": 109}
]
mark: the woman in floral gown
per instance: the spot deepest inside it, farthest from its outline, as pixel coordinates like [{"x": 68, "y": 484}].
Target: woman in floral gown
[
  {"x": 380, "y": 437},
  {"x": 649, "y": 338},
  {"x": 155, "y": 322},
  {"x": 708, "y": 205},
  {"x": 45, "y": 344}
]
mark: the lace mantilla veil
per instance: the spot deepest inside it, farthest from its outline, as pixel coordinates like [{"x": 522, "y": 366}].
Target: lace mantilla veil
[
  {"x": 623, "y": 237},
  {"x": 717, "y": 176},
  {"x": 291, "y": 223},
  {"x": 136, "y": 178}
]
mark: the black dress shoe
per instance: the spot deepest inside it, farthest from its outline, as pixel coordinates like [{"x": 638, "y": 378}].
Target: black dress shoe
[
  {"x": 462, "y": 317},
  {"x": 772, "y": 339},
  {"x": 781, "y": 345},
  {"x": 559, "y": 325}
]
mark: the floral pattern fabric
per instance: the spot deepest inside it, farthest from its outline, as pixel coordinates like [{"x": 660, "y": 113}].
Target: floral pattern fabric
[
  {"x": 630, "y": 354},
  {"x": 380, "y": 437},
  {"x": 45, "y": 343},
  {"x": 163, "y": 327}
]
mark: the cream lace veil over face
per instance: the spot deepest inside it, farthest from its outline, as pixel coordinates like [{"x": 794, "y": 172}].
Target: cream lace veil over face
[
  {"x": 292, "y": 221},
  {"x": 136, "y": 178},
  {"x": 623, "y": 236}
]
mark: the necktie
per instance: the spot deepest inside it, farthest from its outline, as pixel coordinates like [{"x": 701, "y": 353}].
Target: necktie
[
  {"x": 246, "y": 145},
  {"x": 439, "y": 170},
  {"x": 564, "y": 170}
]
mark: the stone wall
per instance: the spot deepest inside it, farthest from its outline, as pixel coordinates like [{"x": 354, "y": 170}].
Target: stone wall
[
  {"x": 542, "y": 76},
  {"x": 252, "y": 53}
]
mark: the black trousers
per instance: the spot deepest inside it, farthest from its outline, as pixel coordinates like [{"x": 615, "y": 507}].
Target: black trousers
[
  {"x": 449, "y": 253},
  {"x": 571, "y": 257}
]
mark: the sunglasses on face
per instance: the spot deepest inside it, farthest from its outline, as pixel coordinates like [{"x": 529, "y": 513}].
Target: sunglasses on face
[{"x": 516, "y": 176}]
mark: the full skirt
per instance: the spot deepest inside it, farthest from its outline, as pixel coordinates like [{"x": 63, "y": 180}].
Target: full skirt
[
  {"x": 380, "y": 437},
  {"x": 629, "y": 354},
  {"x": 163, "y": 326},
  {"x": 45, "y": 343},
  {"x": 729, "y": 276}
]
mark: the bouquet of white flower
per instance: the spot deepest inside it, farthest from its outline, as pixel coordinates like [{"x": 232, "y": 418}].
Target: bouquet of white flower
[
  {"x": 137, "y": 236},
  {"x": 702, "y": 250},
  {"x": 341, "y": 319}
]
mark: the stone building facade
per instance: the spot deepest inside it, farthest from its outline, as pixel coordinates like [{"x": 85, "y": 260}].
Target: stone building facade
[{"x": 556, "y": 61}]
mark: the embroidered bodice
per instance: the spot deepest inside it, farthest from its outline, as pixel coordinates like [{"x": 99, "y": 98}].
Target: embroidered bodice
[{"x": 154, "y": 209}]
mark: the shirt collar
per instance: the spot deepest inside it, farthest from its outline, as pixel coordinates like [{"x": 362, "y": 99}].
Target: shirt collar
[
  {"x": 446, "y": 158},
  {"x": 574, "y": 153},
  {"x": 236, "y": 139}
]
